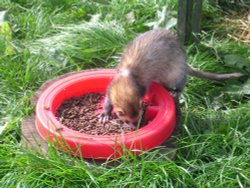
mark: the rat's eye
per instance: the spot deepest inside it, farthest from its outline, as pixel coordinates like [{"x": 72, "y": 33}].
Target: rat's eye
[{"x": 134, "y": 112}]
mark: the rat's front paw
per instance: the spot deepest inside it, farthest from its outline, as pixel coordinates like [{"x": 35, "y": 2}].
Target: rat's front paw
[{"x": 104, "y": 117}]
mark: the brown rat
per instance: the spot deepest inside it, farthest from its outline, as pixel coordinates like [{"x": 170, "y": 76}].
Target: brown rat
[{"x": 155, "y": 55}]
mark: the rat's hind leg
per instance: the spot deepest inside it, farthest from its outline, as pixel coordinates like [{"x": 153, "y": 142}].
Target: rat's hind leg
[{"x": 176, "y": 86}]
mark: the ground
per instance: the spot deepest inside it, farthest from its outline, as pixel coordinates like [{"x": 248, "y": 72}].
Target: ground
[{"x": 40, "y": 40}]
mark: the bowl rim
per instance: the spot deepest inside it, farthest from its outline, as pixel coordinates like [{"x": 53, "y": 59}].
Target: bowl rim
[{"x": 48, "y": 125}]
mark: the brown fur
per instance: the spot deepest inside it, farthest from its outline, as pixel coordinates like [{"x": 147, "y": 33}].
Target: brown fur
[
  {"x": 148, "y": 57},
  {"x": 153, "y": 56},
  {"x": 125, "y": 96}
]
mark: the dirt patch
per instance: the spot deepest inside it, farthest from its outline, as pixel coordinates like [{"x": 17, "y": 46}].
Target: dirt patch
[{"x": 80, "y": 115}]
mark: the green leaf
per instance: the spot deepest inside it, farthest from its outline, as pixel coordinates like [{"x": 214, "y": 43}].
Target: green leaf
[
  {"x": 239, "y": 89},
  {"x": 237, "y": 61},
  {"x": 6, "y": 37},
  {"x": 246, "y": 88},
  {"x": 171, "y": 23}
]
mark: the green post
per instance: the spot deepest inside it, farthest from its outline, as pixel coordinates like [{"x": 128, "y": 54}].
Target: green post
[{"x": 189, "y": 20}]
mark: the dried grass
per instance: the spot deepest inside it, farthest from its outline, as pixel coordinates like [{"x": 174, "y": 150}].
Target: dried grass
[{"x": 242, "y": 28}]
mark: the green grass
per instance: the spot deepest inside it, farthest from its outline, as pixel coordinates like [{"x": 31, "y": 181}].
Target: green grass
[{"x": 50, "y": 38}]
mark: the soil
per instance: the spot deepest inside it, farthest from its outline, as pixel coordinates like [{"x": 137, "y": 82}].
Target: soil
[{"x": 79, "y": 114}]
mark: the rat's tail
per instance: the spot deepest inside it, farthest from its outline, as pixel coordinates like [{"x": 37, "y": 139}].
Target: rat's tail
[{"x": 213, "y": 76}]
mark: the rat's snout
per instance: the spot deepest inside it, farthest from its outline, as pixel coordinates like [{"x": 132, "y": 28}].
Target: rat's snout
[
  {"x": 126, "y": 120},
  {"x": 132, "y": 122},
  {"x": 129, "y": 121}
]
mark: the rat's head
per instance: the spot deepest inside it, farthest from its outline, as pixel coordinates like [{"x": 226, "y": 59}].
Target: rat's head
[{"x": 126, "y": 99}]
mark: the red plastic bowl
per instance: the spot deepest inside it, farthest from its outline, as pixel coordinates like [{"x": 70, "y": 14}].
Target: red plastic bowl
[{"x": 161, "y": 116}]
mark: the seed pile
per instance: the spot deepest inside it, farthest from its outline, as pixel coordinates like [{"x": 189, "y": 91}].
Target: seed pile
[{"x": 80, "y": 115}]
